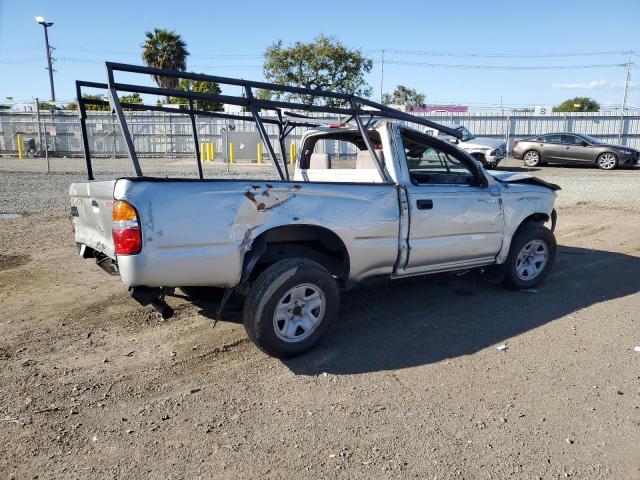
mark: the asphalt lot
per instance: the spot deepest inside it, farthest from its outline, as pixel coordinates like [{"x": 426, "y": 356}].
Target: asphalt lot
[{"x": 408, "y": 384}]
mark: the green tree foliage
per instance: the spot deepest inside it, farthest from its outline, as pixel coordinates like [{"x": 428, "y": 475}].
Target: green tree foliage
[
  {"x": 199, "y": 86},
  {"x": 406, "y": 96},
  {"x": 5, "y": 107},
  {"x": 578, "y": 104},
  {"x": 324, "y": 63},
  {"x": 165, "y": 49},
  {"x": 133, "y": 98},
  {"x": 47, "y": 106}
]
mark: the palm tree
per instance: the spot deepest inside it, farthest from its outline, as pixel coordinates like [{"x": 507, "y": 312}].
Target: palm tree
[{"x": 165, "y": 49}]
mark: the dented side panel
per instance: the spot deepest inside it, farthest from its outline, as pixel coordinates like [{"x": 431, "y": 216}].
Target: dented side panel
[{"x": 197, "y": 233}]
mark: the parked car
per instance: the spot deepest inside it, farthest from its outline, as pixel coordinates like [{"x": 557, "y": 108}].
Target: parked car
[
  {"x": 572, "y": 148},
  {"x": 409, "y": 204},
  {"x": 488, "y": 151}
]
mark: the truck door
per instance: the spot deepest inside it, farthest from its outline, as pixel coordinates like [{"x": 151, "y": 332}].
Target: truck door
[{"x": 453, "y": 220}]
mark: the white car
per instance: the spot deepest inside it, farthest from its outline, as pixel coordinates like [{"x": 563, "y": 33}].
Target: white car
[{"x": 488, "y": 151}]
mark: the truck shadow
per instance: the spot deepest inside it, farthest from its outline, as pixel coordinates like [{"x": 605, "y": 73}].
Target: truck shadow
[{"x": 409, "y": 323}]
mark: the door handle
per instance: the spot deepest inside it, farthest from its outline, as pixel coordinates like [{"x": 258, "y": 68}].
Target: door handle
[{"x": 424, "y": 204}]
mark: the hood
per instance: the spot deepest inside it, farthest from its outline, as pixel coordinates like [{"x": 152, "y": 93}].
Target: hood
[
  {"x": 515, "y": 177},
  {"x": 484, "y": 142}
]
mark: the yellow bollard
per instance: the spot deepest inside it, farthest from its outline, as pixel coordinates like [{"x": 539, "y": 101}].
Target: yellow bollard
[
  {"x": 210, "y": 152},
  {"x": 20, "y": 146},
  {"x": 259, "y": 157},
  {"x": 292, "y": 154},
  {"x": 231, "y": 156},
  {"x": 203, "y": 152}
]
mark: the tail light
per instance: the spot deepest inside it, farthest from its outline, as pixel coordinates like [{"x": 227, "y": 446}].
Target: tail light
[{"x": 127, "y": 236}]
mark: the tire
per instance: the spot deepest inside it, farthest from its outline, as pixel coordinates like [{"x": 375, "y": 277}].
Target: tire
[
  {"x": 531, "y": 158},
  {"x": 482, "y": 159},
  {"x": 523, "y": 269},
  {"x": 607, "y": 161},
  {"x": 295, "y": 286}
]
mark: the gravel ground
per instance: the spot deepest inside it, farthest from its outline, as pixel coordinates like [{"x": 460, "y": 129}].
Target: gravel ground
[{"x": 409, "y": 383}]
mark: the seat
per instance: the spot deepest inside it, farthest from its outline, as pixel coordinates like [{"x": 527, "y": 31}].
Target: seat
[
  {"x": 364, "y": 160},
  {"x": 319, "y": 161}
]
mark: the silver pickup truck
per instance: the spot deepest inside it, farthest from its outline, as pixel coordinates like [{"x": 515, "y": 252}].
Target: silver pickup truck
[{"x": 404, "y": 204}]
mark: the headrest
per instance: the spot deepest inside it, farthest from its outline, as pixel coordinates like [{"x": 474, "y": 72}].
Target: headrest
[
  {"x": 319, "y": 160},
  {"x": 364, "y": 160}
]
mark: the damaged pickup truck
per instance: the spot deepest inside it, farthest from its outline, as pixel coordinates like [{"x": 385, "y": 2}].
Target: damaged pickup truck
[{"x": 403, "y": 204}]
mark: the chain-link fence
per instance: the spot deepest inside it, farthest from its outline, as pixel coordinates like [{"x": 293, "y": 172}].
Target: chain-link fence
[{"x": 169, "y": 136}]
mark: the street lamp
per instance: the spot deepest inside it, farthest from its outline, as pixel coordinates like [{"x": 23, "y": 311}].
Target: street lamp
[{"x": 46, "y": 25}]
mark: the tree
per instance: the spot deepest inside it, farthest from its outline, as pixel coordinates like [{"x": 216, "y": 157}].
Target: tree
[
  {"x": 406, "y": 96},
  {"x": 5, "y": 107},
  {"x": 165, "y": 49},
  {"x": 199, "y": 86},
  {"x": 578, "y": 104},
  {"x": 324, "y": 63},
  {"x": 133, "y": 98}
]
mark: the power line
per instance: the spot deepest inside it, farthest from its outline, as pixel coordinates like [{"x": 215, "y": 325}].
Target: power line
[
  {"x": 502, "y": 67},
  {"x": 501, "y": 55}
]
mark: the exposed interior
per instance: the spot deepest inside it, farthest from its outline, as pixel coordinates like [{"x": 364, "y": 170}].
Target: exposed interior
[{"x": 339, "y": 156}]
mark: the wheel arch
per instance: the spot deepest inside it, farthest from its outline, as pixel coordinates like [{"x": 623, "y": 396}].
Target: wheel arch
[
  {"x": 310, "y": 241},
  {"x": 538, "y": 217}
]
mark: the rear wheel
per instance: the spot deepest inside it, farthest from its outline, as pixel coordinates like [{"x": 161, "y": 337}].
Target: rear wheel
[
  {"x": 531, "y": 158},
  {"x": 290, "y": 307},
  {"x": 531, "y": 256},
  {"x": 607, "y": 161}
]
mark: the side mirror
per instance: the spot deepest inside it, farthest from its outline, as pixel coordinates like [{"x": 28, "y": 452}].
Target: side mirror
[{"x": 584, "y": 144}]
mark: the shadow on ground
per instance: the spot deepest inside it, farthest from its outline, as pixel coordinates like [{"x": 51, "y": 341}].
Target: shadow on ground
[{"x": 415, "y": 322}]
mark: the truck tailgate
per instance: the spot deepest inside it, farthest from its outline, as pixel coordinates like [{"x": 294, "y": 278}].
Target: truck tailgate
[{"x": 91, "y": 204}]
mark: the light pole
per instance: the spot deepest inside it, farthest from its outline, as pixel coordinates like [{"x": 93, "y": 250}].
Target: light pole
[{"x": 46, "y": 25}]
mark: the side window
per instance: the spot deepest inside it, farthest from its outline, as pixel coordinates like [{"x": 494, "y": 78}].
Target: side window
[
  {"x": 552, "y": 139},
  {"x": 429, "y": 165},
  {"x": 571, "y": 140}
]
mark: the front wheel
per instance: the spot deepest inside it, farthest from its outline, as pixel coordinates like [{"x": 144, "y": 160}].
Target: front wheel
[
  {"x": 531, "y": 256},
  {"x": 607, "y": 161},
  {"x": 290, "y": 307}
]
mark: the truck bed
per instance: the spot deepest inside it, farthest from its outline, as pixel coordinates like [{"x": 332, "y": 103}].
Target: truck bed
[{"x": 196, "y": 232}]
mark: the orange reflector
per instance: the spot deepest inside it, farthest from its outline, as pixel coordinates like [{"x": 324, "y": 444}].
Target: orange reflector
[{"x": 123, "y": 211}]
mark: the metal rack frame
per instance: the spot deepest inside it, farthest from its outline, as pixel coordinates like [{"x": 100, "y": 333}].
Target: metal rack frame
[{"x": 354, "y": 109}]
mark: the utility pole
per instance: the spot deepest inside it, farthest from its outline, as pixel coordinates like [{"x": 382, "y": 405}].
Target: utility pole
[
  {"x": 624, "y": 98},
  {"x": 46, "y": 25},
  {"x": 627, "y": 81},
  {"x": 381, "y": 73}
]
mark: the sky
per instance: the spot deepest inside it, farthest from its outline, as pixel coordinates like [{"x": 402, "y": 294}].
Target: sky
[{"x": 228, "y": 38}]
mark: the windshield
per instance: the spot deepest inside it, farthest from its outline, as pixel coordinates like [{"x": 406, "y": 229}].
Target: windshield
[
  {"x": 590, "y": 139},
  {"x": 466, "y": 134}
]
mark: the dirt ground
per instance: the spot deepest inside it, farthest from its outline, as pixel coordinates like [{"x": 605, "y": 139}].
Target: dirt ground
[{"x": 409, "y": 383}]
